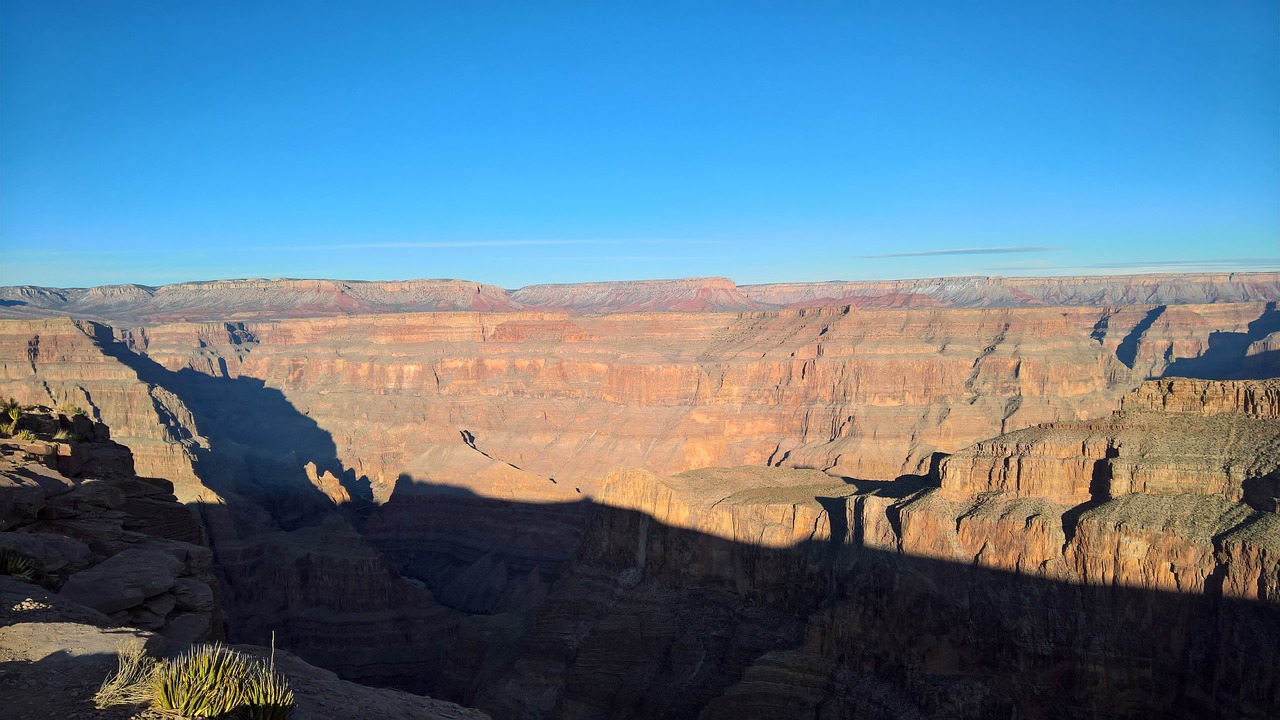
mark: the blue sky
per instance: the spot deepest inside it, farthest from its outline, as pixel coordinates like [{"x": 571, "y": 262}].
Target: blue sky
[{"x": 527, "y": 142}]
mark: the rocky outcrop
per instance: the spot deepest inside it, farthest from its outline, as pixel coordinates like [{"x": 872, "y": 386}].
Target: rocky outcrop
[
  {"x": 110, "y": 557},
  {"x": 106, "y": 540},
  {"x": 1206, "y": 397}
]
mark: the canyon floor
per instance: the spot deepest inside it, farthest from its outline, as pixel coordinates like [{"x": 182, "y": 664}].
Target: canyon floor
[{"x": 962, "y": 498}]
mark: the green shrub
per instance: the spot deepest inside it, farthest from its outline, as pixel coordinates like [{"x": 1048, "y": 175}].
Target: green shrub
[
  {"x": 213, "y": 680},
  {"x": 62, "y": 435},
  {"x": 25, "y": 435},
  {"x": 70, "y": 410},
  {"x": 17, "y": 564}
]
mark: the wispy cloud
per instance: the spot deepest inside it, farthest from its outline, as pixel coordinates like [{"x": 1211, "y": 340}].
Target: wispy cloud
[
  {"x": 1214, "y": 263},
  {"x": 964, "y": 251},
  {"x": 664, "y": 258},
  {"x": 445, "y": 244}
]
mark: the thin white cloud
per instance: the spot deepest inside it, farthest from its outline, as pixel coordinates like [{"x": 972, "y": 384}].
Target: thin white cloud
[
  {"x": 452, "y": 244},
  {"x": 963, "y": 251},
  {"x": 1214, "y": 263}
]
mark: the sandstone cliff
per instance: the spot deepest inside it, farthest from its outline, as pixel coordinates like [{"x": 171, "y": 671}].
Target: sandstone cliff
[
  {"x": 410, "y": 500},
  {"x": 787, "y": 594},
  {"x": 233, "y": 300}
]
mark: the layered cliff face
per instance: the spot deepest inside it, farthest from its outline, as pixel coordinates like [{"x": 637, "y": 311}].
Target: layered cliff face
[
  {"x": 757, "y": 593},
  {"x": 414, "y": 499},
  {"x": 869, "y": 394},
  {"x": 238, "y": 300}
]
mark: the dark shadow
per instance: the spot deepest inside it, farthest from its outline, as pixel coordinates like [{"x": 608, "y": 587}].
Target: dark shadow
[
  {"x": 258, "y": 441},
  {"x": 903, "y": 485},
  {"x": 1263, "y": 493},
  {"x": 643, "y": 619},
  {"x": 12, "y": 303},
  {"x": 1226, "y": 358},
  {"x": 1099, "y": 493},
  {"x": 1127, "y": 350}
]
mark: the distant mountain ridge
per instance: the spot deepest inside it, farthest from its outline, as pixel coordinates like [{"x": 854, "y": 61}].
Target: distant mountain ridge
[{"x": 259, "y": 299}]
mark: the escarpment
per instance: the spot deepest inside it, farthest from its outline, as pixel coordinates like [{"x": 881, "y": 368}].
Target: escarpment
[{"x": 869, "y": 509}]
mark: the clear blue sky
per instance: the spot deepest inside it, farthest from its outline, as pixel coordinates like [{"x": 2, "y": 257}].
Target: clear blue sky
[{"x": 526, "y": 142}]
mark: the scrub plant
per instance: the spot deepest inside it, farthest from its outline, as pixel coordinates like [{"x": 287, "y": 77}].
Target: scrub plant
[
  {"x": 215, "y": 681},
  {"x": 17, "y": 564}
]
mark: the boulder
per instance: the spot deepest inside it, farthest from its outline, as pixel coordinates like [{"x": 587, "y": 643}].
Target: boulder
[
  {"x": 52, "y": 553},
  {"x": 124, "y": 580},
  {"x": 25, "y": 490}
]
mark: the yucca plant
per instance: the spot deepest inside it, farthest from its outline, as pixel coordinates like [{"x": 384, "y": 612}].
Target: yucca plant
[
  {"x": 268, "y": 694},
  {"x": 17, "y": 564},
  {"x": 13, "y": 411},
  {"x": 25, "y": 435},
  {"x": 213, "y": 681},
  {"x": 63, "y": 435}
]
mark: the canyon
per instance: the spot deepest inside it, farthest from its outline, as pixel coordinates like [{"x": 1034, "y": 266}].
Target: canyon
[{"x": 968, "y": 497}]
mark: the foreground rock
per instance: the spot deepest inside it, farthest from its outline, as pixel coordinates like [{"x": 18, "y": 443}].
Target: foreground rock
[
  {"x": 52, "y": 670},
  {"x": 111, "y": 549}
]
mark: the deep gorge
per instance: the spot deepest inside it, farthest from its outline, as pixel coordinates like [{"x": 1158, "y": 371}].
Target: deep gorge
[{"x": 818, "y": 512}]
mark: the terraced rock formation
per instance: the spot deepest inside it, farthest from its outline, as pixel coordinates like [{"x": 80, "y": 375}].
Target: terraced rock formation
[
  {"x": 240, "y": 300},
  {"x": 843, "y": 511}
]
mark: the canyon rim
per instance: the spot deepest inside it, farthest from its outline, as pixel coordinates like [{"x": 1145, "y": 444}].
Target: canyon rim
[{"x": 960, "y": 497}]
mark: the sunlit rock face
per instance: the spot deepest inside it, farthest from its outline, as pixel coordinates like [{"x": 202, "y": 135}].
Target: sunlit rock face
[{"x": 868, "y": 509}]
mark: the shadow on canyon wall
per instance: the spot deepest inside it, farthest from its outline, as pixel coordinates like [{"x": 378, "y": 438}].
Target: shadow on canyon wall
[
  {"x": 1226, "y": 357},
  {"x": 643, "y": 619},
  {"x": 587, "y": 611},
  {"x": 258, "y": 441}
]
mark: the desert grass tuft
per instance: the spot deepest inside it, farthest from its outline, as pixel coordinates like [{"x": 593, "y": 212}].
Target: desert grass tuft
[{"x": 131, "y": 682}]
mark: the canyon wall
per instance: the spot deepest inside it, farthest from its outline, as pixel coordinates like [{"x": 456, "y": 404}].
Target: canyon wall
[
  {"x": 257, "y": 299},
  {"x": 427, "y": 500},
  {"x": 990, "y": 590}
]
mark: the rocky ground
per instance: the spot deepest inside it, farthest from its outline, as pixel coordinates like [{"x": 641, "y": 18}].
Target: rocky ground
[{"x": 113, "y": 557}]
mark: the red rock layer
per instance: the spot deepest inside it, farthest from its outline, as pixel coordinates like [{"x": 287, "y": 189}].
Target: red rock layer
[{"x": 266, "y": 299}]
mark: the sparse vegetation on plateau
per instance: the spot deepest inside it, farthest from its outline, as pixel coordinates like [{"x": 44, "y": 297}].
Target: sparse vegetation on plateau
[{"x": 70, "y": 410}]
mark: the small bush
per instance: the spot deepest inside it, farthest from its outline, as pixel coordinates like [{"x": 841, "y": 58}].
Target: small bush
[
  {"x": 25, "y": 435},
  {"x": 70, "y": 410},
  {"x": 63, "y": 435},
  {"x": 213, "y": 680},
  {"x": 131, "y": 682},
  {"x": 17, "y": 564}
]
